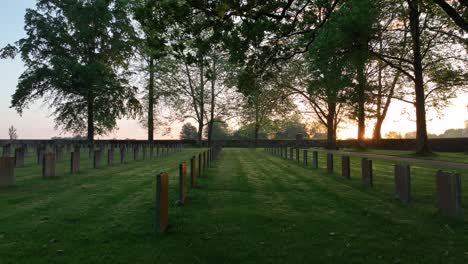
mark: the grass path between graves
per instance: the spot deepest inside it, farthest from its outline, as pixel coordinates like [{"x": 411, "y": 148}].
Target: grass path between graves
[{"x": 251, "y": 207}]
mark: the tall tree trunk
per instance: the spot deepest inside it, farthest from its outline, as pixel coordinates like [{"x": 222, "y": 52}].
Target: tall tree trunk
[
  {"x": 331, "y": 126},
  {"x": 361, "y": 115},
  {"x": 422, "y": 144},
  {"x": 212, "y": 107},
  {"x": 257, "y": 119},
  {"x": 201, "y": 118},
  {"x": 151, "y": 101},
  {"x": 90, "y": 117}
]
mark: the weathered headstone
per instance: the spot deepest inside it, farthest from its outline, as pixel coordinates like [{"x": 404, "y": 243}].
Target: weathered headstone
[
  {"x": 403, "y": 182},
  {"x": 162, "y": 202},
  {"x": 345, "y": 167},
  {"x": 193, "y": 173},
  {"x": 97, "y": 159},
  {"x": 329, "y": 163},
  {"x": 182, "y": 183},
  {"x": 449, "y": 193},
  {"x": 48, "y": 165},
  {"x": 19, "y": 157},
  {"x": 75, "y": 160},
  {"x": 315, "y": 160},
  {"x": 366, "y": 173},
  {"x": 7, "y": 171}
]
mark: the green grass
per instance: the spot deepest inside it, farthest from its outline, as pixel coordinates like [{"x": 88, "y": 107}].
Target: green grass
[
  {"x": 442, "y": 156},
  {"x": 251, "y": 207}
]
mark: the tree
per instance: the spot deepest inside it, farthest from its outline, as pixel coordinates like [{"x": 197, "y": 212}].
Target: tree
[
  {"x": 220, "y": 131},
  {"x": 188, "y": 132},
  {"x": 76, "y": 55},
  {"x": 458, "y": 13},
  {"x": 12, "y": 133}
]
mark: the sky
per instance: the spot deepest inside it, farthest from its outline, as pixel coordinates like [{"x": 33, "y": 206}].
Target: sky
[{"x": 36, "y": 122}]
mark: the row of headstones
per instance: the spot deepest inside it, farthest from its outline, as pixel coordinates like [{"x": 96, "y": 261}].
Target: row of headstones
[
  {"x": 48, "y": 159},
  {"x": 205, "y": 160},
  {"x": 448, "y": 185}
]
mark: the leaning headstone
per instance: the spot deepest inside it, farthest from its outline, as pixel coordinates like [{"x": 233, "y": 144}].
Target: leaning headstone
[
  {"x": 366, "y": 173},
  {"x": 193, "y": 173},
  {"x": 315, "y": 160},
  {"x": 449, "y": 193},
  {"x": 7, "y": 171},
  {"x": 97, "y": 159},
  {"x": 403, "y": 183},
  {"x": 19, "y": 157},
  {"x": 162, "y": 202},
  {"x": 48, "y": 165},
  {"x": 345, "y": 167},
  {"x": 75, "y": 160},
  {"x": 182, "y": 183},
  {"x": 329, "y": 163}
]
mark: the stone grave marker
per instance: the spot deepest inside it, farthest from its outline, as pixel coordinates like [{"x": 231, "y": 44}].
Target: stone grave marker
[
  {"x": 403, "y": 182},
  {"x": 162, "y": 202},
  {"x": 449, "y": 194},
  {"x": 7, "y": 171}
]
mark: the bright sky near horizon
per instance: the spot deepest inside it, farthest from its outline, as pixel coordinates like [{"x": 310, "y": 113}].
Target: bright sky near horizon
[{"x": 36, "y": 122}]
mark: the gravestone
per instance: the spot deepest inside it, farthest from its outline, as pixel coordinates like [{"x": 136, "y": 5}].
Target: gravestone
[
  {"x": 123, "y": 152},
  {"x": 7, "y": 171},
  {"x": 6, "y": 150},
  {"x": 151, "y": 151},
  {"x": 110, "y": 156},
  {"x": 144, "y": 151},
  {"x": 304, "y": 157},
  {"x": 193, "y": 173},
  {"x": 182, "y": 183},
  {"x": 48, "y": 165},
  {"x": 19, "y": 157},
  {"x": 403, "y": 183},
  {"x": 204, "y": 160},
  {"x": 200, "y": 164},
  {"x": 315, "y": 160},
  {"x": 162, "y": 202},
  {"x": 75, "y": 160},
  {"x": 449, "y": 193},
  {"x": 297, "y": 155},
  {"x": 58, "y": 153},
  {"x": 39, "y": 154},
  {"x": 366, "y": 173},
  {"x": 97, "y": 159},
  {"x": 291, "y": 153},
  {"x": 345, "y": 167},
  {"x": 157, "y": 151},
  {"x": 135, "y": 152},
  {"x": 329, "y": 163}
]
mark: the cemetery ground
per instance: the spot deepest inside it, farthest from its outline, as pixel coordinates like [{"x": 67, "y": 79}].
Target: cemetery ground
[{"x": 250, "y": 207}]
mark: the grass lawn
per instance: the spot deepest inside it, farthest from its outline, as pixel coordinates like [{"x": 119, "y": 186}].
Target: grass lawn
[
  {"x": 251, "y": 207},
  {"x": 443, "y": 156}
]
